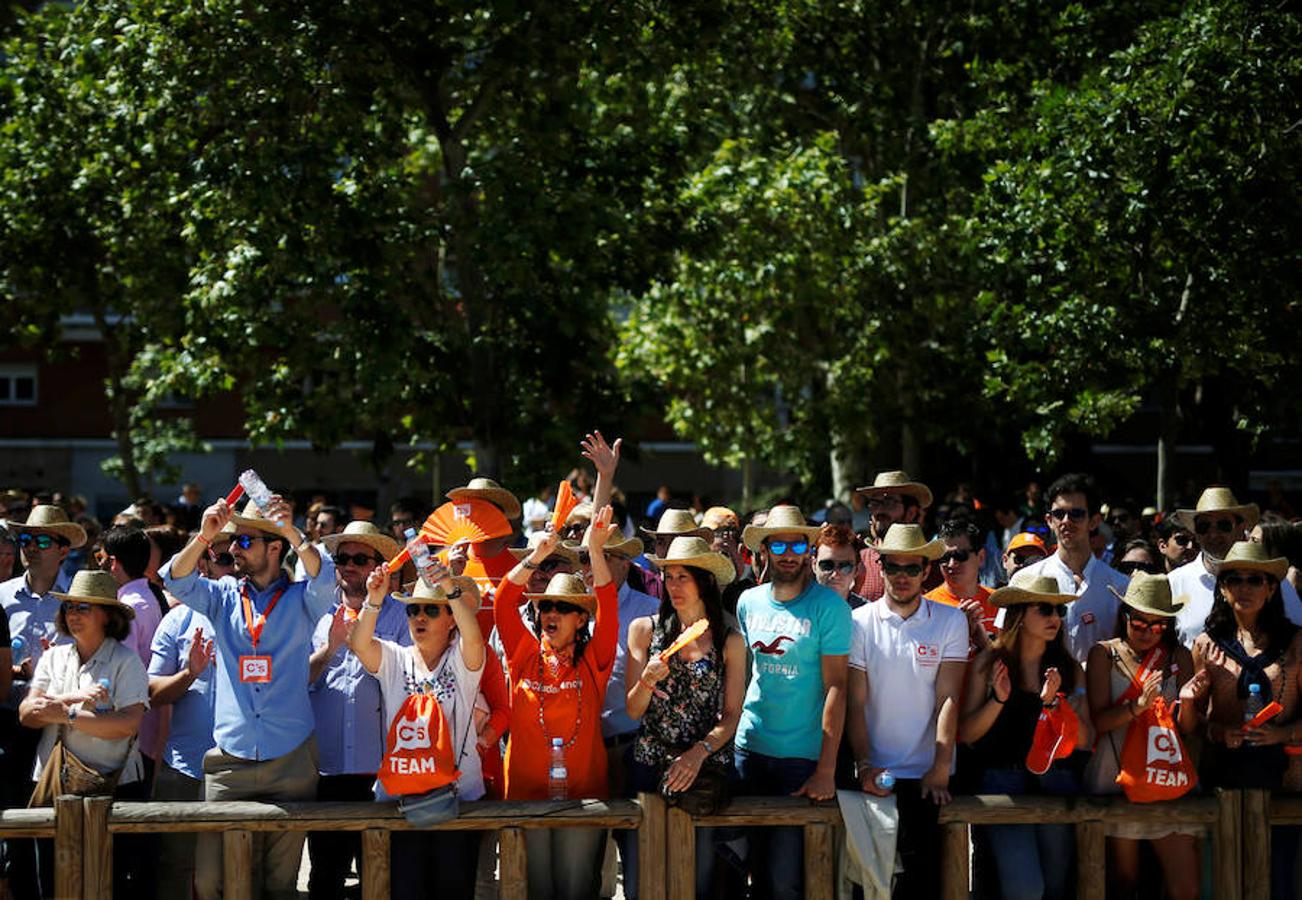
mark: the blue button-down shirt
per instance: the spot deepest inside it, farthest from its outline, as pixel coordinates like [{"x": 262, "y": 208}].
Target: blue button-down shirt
[
  {"x": 350, "y": 722},
  {"x": 260, "y": 721},
  {"x": 615, "y": 719},
  {"x": 190, "y": 734},
  {"x": 31, "y": 617}
]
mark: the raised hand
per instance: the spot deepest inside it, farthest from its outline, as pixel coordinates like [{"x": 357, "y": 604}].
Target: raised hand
[
  {"x": 458, "y": 555},
  {"x": 202, "y": 652},
  {"x": 601, "y": 530},
  {"x": 340, "y": 629},
  {"x": 377, "y": 584},
  {"x": 214, "y": 519},
  {"x": 604, "y": 457},
  {"x": 1052, "y": 682}
]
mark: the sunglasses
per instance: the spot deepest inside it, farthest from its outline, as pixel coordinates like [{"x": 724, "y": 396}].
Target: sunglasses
[
  {"x": 1225, "y": 526},
  {"x": 560, "y": 606},
  {"x": 42, "y": 541},
  {"x": 430, "y": 610},
  {"x": 1025, "y": 559},
  {"x": 1075, "y": 513},
  {"x": 831, "y": 565},
  {"x": 357, "y": 559},
  {"x": 221, "y": 559},
  {"x": 245, "y": 541},
  {"x": 1144, "y": 625},
  {"x": 1131, "y": 567},
  {"x": 1050, "y": 609},
  {"x": 1184, "y": 539},
  {"x": 781, "y": 548},
  {"x": 726, "y": 534},
  {"x": 72, "y": 606},
  {"x": 913, "y": 570},
  {"x": 1254, "y": 580},
  {"x": 552, "y": 564},
  {"x": 958, "y": 556},
  {"x": 889, "y": 501}
]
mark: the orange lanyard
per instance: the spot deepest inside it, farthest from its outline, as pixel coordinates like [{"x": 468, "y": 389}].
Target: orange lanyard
[{"x": 255, "y": 626}]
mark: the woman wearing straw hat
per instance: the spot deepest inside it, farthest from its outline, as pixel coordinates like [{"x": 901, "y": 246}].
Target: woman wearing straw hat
[
  {"x": 558, "y": 684},
  {"x": 690, "y": 704},
  {"x": 69, "y": 701},
  {"x": 1145, "y": 621},
  {"x": 446, "y": 656},
  {"x": 1020, "y": 674}
]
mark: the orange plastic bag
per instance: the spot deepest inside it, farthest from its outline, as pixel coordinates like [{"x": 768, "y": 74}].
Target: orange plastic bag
[
  {"x": 418, "y": 755},
  {"x": 1055, "y": 736},
  {"x": 1154, "y": 764}
]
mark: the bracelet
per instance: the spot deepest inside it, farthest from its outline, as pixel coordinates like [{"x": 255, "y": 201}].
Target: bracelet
[
  {"x": 709, "y": 751},
  {"x": 366, "y": 605},
  {"x": 199, "y": 537},
  {"x": 528, "y": 565},
  {"x": 453, "y": 595},
  {"x": 1051, "y": 705},
  {"x": 646, "y": 684}
]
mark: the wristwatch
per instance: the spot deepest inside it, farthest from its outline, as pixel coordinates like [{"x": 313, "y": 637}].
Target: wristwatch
[
  {"x": 528, "y": 565},
  {"x": 705, "y": 742},
  {"x": 72, "y": 714}
]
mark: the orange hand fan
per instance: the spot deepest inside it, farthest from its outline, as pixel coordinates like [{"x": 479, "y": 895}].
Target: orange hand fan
[
  {"x": 565, "y": 503},
  {"x": 691, "y": 633},
  {"x": 468, "y": 520}
]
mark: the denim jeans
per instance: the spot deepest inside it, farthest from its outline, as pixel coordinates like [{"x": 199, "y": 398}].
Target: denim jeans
[
  {"x": 777, "y": 855},
  {"x": 1033, "y": 861},
  {"x": 647, "y": 778}
]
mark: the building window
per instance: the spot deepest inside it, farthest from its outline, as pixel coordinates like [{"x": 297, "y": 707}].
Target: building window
[{"x": 18, "y": 385}]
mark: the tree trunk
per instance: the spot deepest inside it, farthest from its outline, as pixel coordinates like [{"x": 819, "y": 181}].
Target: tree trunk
[
  {"x": 1168, "y": 434},
  {"x": 118, "y": 360}
]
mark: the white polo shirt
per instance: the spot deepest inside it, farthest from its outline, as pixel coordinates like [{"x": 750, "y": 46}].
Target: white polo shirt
[
  {"x": 1198, "y": 586},
  {"x": 902, "y": 658},
  {"x": 1092, "y": 617}
]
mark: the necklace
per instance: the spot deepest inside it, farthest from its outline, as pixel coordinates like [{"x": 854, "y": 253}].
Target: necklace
[{"x": 578, "y": 716}]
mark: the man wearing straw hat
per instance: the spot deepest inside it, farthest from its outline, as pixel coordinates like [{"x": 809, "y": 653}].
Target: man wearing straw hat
[
  {"x": 351, "y": 723},
  {"x": 262, "y": 629},
  {"x": 1218, "y": 520},
  {"x": 799, "y": 635},
  {"x": 907, "y": 661},
  {"x": 892, "y": 498}
]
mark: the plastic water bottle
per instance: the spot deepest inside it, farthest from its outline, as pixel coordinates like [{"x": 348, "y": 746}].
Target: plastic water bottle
[
  {"x": 257, "y": 490},
  {"x": 558, "y": 777},
  {"x": 885, "y": 781},
  {"x": 103, "y": 705},
  {"x": 16, "y": 647},
  {"x": 424, "y": 561},
  {"x": 1253, "y": 704}
]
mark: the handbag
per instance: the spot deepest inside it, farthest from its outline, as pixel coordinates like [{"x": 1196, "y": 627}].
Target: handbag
[
  {"x": 708, "y": 794},
  {"x": 64, "y": 773}
]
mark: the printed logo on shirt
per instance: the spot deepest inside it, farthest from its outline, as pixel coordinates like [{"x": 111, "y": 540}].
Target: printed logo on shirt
[
  {"x": 411, "y": 734},
  {"x": 784, "y": 670},
  {"x": 773, "y": 647},
  {"x": 538, "y": 687},
  {"x": 777, "y": 623},
  {"x": 929, "y": 654}
]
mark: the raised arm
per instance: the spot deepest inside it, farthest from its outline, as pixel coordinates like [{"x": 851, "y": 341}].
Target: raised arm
[
  {"x": 167, "y": 689},
  {"x": 506, "y": 606},
  {"x": 362, "y": 639},
  {"x": 638, "y": 682},
  {"x": 605, "y": 634},
  {"x": 605, "y": 459},
  {"x": 472, "y": 637}
]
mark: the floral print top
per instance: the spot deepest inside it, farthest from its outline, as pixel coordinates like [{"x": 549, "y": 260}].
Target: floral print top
[{"x": 684, "y": 709}]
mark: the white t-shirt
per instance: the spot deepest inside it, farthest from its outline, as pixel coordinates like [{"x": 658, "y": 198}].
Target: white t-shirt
[
  {"x": 1092, "y": 616},
  {"x": 1198, "y": 586},
  {"x": 403, "y": 672},
  {"x": 902, "y": 658}
]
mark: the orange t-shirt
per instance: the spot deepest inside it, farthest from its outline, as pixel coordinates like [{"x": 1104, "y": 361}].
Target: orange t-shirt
[
  {"x": 566, "y": 694},
  {"x": 944, "y": 595}
]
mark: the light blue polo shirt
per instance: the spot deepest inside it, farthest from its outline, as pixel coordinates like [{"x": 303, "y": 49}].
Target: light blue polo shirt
[
  {"x": 31, "y": 617},
  {"x": 190, "y": 735}
]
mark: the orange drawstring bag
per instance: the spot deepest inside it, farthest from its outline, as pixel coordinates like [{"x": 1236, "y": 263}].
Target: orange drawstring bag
[
  {"x": 420, "y": 764},
  {"x": 1153, "y": 765}
]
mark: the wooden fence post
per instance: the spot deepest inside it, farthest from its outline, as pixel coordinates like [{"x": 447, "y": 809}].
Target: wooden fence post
[
  {"x": 1091, "y": 856},
  {"x": 954, "y": 861},
  {"x": 1227, "y": 868},
  {"x": 1256, "y": 845},
  {"x": 652, "y": 847},
  {"x": 237, "y": 864},
  {"x": 513, "y": 878},
  {"x": 375, "y": 864},
  {"x": 820, "y": 870},
  {"x": 68, "y": 820},
  {"x": 97, "y": 857},
  {"x": 680, "y": 845}
]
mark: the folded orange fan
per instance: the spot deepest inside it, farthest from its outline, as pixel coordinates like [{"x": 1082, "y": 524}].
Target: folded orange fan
[
  {"x": 1271, "y": 710},
  {"x": 467, "y": 520},
  {"x": 691, "y": 633},
  {"x": 565, "y": 503}
]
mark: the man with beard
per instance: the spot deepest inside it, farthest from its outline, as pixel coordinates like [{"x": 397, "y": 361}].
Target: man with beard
[
  {"x": 262, "y": 631},
  {"x": 792, "y": 717},
  {"x": 1218, "y": 520},
  {"x": 892, "y": 498}
]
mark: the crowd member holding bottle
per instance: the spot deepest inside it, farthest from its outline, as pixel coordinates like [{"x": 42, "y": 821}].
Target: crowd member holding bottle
[
  {"x": 445, "y": 655},
  {"x": 689, "y": 705},
  {"x": 1148, "y": 643},
  {"x": 1027, "y": 669},
  {"x": 558, "y": 682},
  {"x": 908, "y": 654}
]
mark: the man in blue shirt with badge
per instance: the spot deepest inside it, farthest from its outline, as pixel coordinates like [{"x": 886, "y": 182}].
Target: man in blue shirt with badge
[{"x": 262, "y": 629}]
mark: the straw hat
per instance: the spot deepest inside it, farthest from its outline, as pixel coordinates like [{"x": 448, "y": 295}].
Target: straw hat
[
  {"x": 1246, "y": 556},
  {"x": 1216, "y": 500},
  {"x": 423, "y": 593},
  {"x": 363, "y": 533},
  {"x": 898, "y": 483},
  {"x": 253, "y": 518},
  {"x": 676, "y": 522},
  {"x": 53, "y": 520},
  {"x": 1026, "y": 539},
  {"x": 580, "y": 515},
  {"x": 569, "y": 589},
  {"x": 1027, "y": 588},
  {"x": 95, "y": 586},
  {"x": 481, "y": 488},
  {"x": 695, "y": 552},
  {"x": 567, "y": 551},
  {"x": 720, "y": 517},
  {"x": 1151, "y": 594},
  {"x": 782, "y": 519},
  {"x": 909, "y": 540}
]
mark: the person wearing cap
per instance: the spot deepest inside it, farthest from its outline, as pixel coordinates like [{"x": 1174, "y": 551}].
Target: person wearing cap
[
  {"x": 892, "y": 498},
  {"x": 445, "y": 654},
  {"x": 1023, "y": 550},
  {"x": 960, "y": 566},
  {"x": 1024, "y": 671},
  {"x": 1145, "y": 624},
  {"x": 93, "y": 692},
  {"x": 558, "y": 685},
  {"x": 1073, "y": 514},
  {"x": 688, "y": 705},
  {"x": 791, "y": 722},
  {"x": 262, "y": 631},
  {"x": 346, "y": 704},
  {"x": 725, "y": 538},
  {"x": 1218, "y": 520}
]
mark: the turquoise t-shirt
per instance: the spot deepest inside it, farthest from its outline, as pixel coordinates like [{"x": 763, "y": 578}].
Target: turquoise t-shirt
[{"x": 783, "y": 712}]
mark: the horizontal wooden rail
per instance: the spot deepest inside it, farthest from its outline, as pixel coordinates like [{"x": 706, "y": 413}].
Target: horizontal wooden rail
[
  {"x": 1286, "y": 809},
  {"x": 27, "y": 823},
  {"x": 773, "y": 811},
  {"x": 1003, "y": 809}
]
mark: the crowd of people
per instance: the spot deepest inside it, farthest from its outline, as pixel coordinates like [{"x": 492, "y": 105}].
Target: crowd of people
[{"x": 888, "y": 653}]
